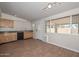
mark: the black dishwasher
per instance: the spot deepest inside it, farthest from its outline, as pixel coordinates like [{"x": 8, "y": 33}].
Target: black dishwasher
[{"x": 20, "y": 36}]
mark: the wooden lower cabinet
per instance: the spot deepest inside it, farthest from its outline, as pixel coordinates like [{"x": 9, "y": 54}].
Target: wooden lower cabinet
[
  {"x": 28, "y": 35},
  {"x": 7, "y": 37},
  {"x": 12, "y": 36}
]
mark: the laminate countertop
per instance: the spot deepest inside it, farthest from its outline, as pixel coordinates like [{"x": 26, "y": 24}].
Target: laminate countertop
[{"x": 16, "y": 31}]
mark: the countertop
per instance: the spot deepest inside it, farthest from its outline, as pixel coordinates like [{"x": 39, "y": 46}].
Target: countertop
[{"x": 2, "y": 31}]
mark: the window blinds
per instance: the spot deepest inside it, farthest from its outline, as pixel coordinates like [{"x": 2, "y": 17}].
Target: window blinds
[
  {"x": 64, "y": 20},
  {"x": 75, "y": 19}
]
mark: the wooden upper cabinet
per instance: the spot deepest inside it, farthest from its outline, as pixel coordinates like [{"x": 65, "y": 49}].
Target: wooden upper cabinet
[{"x": 4, "y": 23}]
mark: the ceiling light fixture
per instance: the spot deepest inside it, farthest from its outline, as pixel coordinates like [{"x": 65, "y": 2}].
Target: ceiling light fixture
[{"x": 49, "y": 5}]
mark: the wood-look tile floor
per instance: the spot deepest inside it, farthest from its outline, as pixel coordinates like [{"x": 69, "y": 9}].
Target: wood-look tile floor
[{"x": 34, "y": 48}]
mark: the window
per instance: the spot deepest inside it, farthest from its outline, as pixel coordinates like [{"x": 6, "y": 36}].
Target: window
[
  {"x": 48, "y": 26},
  {"x": 74, "y": 28},
  {"x": 65, "y": 25},
  {"x": 61, "y": 25},
  {"x": 52, "y": 28},
  {"x": 75, "y": 24},
  {"x": 64, "y": 28}
]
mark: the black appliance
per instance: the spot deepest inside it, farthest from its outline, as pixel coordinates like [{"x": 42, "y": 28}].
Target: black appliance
[{"x": 20, "y": 36}]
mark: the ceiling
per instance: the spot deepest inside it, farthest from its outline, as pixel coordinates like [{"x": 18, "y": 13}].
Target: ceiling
[{"x": 33, "y": 10}]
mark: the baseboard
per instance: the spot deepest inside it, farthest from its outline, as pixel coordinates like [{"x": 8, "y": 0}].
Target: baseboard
[
  {"x": 65, "y": 47},
  {"x": 28, "y": 38},
  {"x": 74, "y": 50},
  {"x": 8, "y": 42}
]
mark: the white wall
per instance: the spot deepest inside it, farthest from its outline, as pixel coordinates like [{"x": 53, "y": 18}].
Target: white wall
[
  {"x": 63, "y": 40},
  {"x": 40, "y": 34},
  {"x": 19, "y": 23}
]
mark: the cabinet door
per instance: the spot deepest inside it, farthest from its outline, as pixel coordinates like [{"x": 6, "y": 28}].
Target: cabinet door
[
  {"x": 6, "y": 23},
  {"x": 28, "y": 35},
  {"x": 11, "y": 37},
  {"x": 8, "y": 37},
  {"x": 10, "y": 23},
  {"x": 2, "y": 23},
  {"x": 2, "y": 38}
]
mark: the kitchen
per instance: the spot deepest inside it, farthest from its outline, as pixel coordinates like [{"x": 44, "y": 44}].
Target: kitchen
[
  {"x": 39, "y": 29},
  {"x": 12, "y": 30}
]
